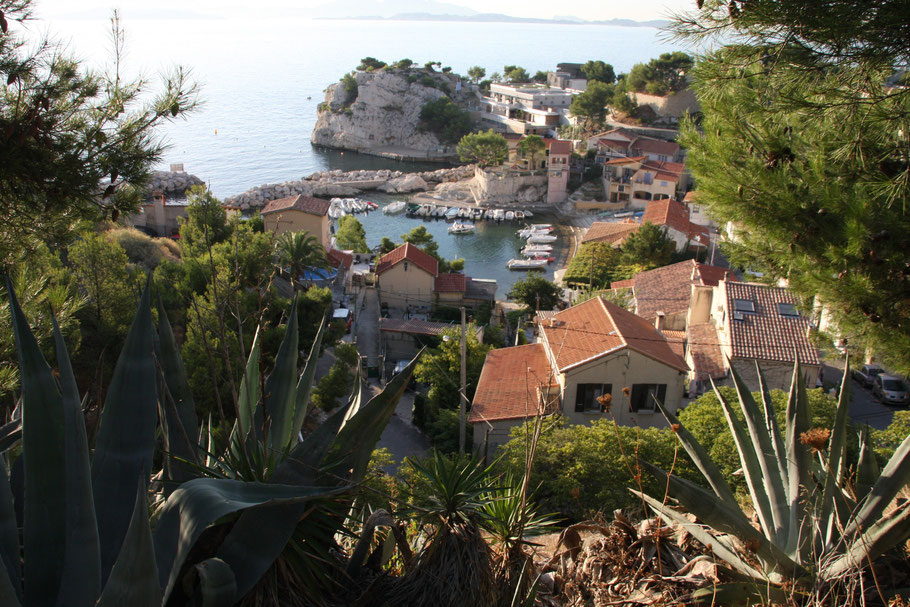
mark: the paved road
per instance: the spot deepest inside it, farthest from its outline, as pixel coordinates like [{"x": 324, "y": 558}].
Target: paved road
[
  {"x": 864, "y": 407},
  {"x": 401, "y": 437},
  {"x": 368, "y": 327}
]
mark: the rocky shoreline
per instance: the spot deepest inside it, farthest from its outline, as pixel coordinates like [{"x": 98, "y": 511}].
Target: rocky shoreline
[
  {"x": 349, "y": 183},
  {"x": 173, "y": 183}
]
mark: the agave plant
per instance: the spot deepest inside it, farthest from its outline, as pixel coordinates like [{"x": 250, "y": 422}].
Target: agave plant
[
  {"x": 815, "y": 525},
  {"x": 86, "y": 538}
]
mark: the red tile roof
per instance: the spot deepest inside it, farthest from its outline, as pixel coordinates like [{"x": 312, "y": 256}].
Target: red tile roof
[
  {"x": 674, "y": 214},
  {"x": 705, "y": 353},
  {"x": 654, "y": 146},
  {"x": 561, "y": 147},
  {"x": 610, "y": 232},
  {"x": 509, "y": 384},
  {"x": 411, "y": 253},
  {"x": 668, "y": 289},
  {"x": 634, "y": 159},
  {"x": 413, "y": 326},
  {"x": 306, "y": 204},
  {"x": 617, "y": 131},
  {"x": 340, "y": 258},
  {"x": 766, "y": 334},
  {"x": 451, "y": 283},
  {"x": 597, "y": 327}
]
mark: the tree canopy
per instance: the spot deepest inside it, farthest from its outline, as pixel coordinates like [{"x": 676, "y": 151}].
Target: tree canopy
[
  {"x": 803, "y": 147},
  {"x": 445, "y": 119},
  {"x": 515, "y": 73},
  {"x": 487, "y": 149},
  {"x": 76, "y": 144},
  {"x": 592, "y": 103},
  {"x": 368, "y": 64},
  {"x": 665, "y": 74},
  {"x": 649, "y": 246},
  {"x": 350, "y": 235},
  {"x": 536, "y": 292},
  {"x": 476, "y": 73},
  {"x": 531, "y": 146},
  {"x": 599, "y": 71}
]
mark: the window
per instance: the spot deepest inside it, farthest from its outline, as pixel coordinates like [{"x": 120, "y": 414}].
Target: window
[
  {"x": 586, "y": 396},
  {"x": 786, "y": 309},
  {"x": 405, "y": 266},
  {"x": 643, "y": 396},
  {"x": 744, "y": 305}
]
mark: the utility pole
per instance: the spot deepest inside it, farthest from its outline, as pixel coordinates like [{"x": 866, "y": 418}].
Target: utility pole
[{"x": 463, "y": 408}]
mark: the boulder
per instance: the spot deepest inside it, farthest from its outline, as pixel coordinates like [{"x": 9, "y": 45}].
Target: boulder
[{"x": 405, "y": 184}]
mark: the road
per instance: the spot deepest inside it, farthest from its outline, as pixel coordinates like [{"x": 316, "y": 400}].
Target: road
[{"x": 864, "y": 407}]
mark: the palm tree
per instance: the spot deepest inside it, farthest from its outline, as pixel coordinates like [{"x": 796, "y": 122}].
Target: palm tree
[{"x": 300, "y": 250}]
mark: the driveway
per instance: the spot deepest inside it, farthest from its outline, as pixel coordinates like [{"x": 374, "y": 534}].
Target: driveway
[
  {"x": 864, "y": 407},
  {"x": 368, "y": 326},
  {"x": 401, "y": 437}
]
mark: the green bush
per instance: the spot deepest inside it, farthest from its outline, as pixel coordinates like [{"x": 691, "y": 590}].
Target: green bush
[
  {"x": 445, "y": 119},
  {"x": 350, "y": 87},
  {"x": 143, "y": 250}
]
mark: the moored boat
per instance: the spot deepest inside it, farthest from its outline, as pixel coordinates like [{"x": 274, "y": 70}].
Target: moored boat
[
  {"x": 394, "y": 207},
  {"x": 452, "y": 214},
  {"x": 526, "y": 264},
  {"x": 461, "y": 228},
  {"x": 519, "y": 215},
  {"x": 541, "y": 238},
  {"x": 538, "y": 248},
  {"x": 510, "y": 215}
]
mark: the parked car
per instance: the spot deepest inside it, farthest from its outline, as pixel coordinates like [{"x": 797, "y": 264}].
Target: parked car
[
  {"x": 343, "y": 315},
  {"x": 400, "y": 366},
  {"x": 865, "y": 374},
  {"x": 890, "y": 389}
]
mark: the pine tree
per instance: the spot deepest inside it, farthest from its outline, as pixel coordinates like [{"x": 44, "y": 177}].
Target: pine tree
[{"x": 804, "y": 146}]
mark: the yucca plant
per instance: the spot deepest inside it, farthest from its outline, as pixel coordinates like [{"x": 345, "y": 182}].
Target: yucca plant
[
  {"x": 816, "y": 525},
  {"x": 85, "y": 528}
]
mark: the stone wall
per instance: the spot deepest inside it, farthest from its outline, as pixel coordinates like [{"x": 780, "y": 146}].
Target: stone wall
[
  {"x": 172, "y": 182},
  {"x": 671, "y": 107},
  {"x": 506, "y": 187}
]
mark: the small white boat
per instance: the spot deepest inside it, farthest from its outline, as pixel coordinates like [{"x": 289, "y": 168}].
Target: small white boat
[
  {"x": 477, "y": 214},
  {"x": 452, "y": 214},
  {"x": 541, "y": 239},
  {"x": 528, "y": 232},
  {"x": 441, "y": 211},
  {"x": 541, "y": 226},
  {"x": 499, "y": 214},
  {"x": 464, "y": 213},
  {"x": 519, "y": 215},
  {"x": 537, "y": 249},
  {"x": 394, "y": 208},
  {"x": 528, "y": 214},
  {"x": 526, "y": 264},
  {"x": 510, "y": 215},
  {"x": 461, "y": 228},
  {"x": 537, "y": 255}
]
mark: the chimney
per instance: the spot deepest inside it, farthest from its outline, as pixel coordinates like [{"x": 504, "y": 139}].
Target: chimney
[{"x": 659, "y": 321}]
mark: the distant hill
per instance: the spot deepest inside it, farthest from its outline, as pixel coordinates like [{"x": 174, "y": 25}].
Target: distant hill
[
  {"x": 347, "y": 9},
  {"x": 422, "y": 15}
]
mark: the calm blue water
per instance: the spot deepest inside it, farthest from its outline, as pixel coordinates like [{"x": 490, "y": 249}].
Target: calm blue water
[{"x": 262, "y": 79}]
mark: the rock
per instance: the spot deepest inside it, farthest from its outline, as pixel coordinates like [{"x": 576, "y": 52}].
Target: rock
[{"x": 402, "y": 185}]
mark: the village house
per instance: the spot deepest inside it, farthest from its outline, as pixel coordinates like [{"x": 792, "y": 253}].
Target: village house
[
  {"x": 623, "y": 143},
  {"x": 613, "y": 233},
  {"x": 743, "y": 324},
  {"x": 697, "y": 212},
  {"x": 568, "y": 76},
  {"x": 527, "y": 109},
  {"x": 408, "y": 278},
  {"x": 662, "y": 296},
  {"x": 558, "y": 155},
  {"x": 674, "y": 216},
  {"x": 584, "y": 354},
  {"x": 299, "y": 214},
  {"x": 160, "y": 216},
  {"x": 526, "y": 180},
  {"x": 638, "y": 180}
]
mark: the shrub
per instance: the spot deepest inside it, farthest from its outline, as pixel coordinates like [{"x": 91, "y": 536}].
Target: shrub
[
  {"x": 143, "y": 250},
  {"x": 350, "y": 87},
  {"x": 445, "y": 119}
]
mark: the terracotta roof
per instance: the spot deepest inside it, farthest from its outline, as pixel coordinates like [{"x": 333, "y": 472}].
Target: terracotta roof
[
  {"x": 622, "y": 284},
  {"x": 413, "y": 326},
  {"x": 705, "y": 352},
  {"x": 307, "y": 204},
  {"x": 690, "y": 197},
  {"x": 674, "y": 214},
  {"x": 610, "y": 232},
  {"x": 560, "y": 147},
  {"x": 450, "y": 283},
  {"x": 654, "y": 146},
  {"x": 668, "y": 289},
  {"x": 677, "y": 342},
  {"x": 617, "y": 131},
  {"x": 766, "y": 334},
  {"x": 674, "y": 168},
  {"x": 340, "y": 258},
  {"x": 596, "y": 328},
  {"x": 509, "y": 383},
  {"x": 633, "y": 159},
  {"x": 411, "y": 253}
]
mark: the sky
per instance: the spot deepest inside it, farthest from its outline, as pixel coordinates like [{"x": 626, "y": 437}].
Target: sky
[{"x": 641, "y": 10}]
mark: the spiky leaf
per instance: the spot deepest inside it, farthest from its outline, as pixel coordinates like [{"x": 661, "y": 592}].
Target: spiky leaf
[
  {"x": 281, "y": 388},
  {"x": 216, "y": 583},
  {"x": 888, "y": 532},
  {"x": 9, "y": 539},
  {"x": 306, "y": 381}
]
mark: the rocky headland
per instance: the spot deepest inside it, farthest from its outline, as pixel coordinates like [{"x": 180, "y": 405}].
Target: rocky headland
[
  {"x": 378, "y": 112},
  {"x": 350, "y": 183},
  {"x": 172, "y": 183}
]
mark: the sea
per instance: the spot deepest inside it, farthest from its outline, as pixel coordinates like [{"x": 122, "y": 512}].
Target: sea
[{"x": 261, "y": 79}]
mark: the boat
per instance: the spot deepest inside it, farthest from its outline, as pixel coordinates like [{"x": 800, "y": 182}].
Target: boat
[
  {"x": 461, "y": 228},
  {"x": 519, "y": 215},
  {"x": 510, "y": 215},
  {"x": 441, "y": 211},
  {"x": 452, "y": 214},
  {"x": 422, "y": 211},
  {"x": 544, "y": 256},
  {"x": 537, "y": 249},
  {"x": 477, "y": 214},
  {"x": 464, "y": 213},
  {"x": 528, "y": 214},
  {"x": 542, "y": 226},
  {"x": 371, "y": 206},
  {"x": 498, "y": 214},
  {"x": 541, "y": 238},
  {"x": 528, "y": 232},
  {"x": 526, "y": 264},
  {"x": 394, "y": 208}
]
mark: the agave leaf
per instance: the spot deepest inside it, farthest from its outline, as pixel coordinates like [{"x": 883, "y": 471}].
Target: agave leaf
[
  {"x": 720, "y": 516},
  {"x": 260, "y": 535},
  {"x": 671, "y": 516},
  {"x": 305, "y": 383},
  {"x": 777, "y": 440},
  {"x": 246, "y": 428},
  {"x": 894, "y": 477},
  {"x": 738, "y": 593},
  {"x": 216, "y": 583},
  {"x": 867, "y": 467},
  {"x": 883, "y": 535},
  {"x": 126, "y": 439},
  {"x": 836, "y": 455},
  {"x": 355, "y": 402},
  {"x": 281, "y": 389},
  {"x": 179, "y": 421},
  {"x": 80, "y": 582},
  {"x": 134, "y": 577},
  {"x": 44, "y": 463},
  {"x": 303, "y": 462},
  {"x": 9, "y": 541},
  {"x": 10, "y": 434},
  {"x": 752, "y": 469},
  {"x": 196, "y": 504},
  {"x": 700, "y": 458},
  {"x": 798, "y": 476},
  {"x": 9, "y": 596},
  {"x": 210, "y": 458}
]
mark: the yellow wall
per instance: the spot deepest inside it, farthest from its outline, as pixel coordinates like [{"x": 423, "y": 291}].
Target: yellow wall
[
  {"x": 292, "y": 220},
  {"x": 399, "y": 287}
]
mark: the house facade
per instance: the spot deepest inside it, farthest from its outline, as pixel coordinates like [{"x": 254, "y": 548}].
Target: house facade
[
  {"x": 624, "y": 143},
  {"x": 638, "y": 180},
  {"x": 160, "y": 216},
  {"x": 674, "y": 216},
  {"x": 299, "y": 214},
  {"x": 584, "y": 354},
  {"x": 527, "y": 109},
  {"x": 558, "y": 156}
]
